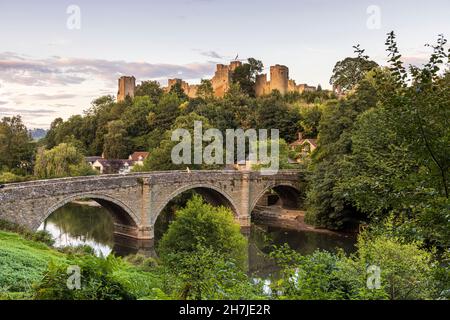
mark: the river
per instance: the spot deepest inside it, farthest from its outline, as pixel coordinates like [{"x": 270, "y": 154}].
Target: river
[{"x": 88, "y": 224}]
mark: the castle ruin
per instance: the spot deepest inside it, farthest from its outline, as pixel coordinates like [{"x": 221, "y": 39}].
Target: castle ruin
[
  {"x": 127, "y": 85},
  {"x": 221, "y": 81}
]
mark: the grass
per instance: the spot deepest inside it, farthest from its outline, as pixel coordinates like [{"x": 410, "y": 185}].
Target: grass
[{"x": 23, "y": 262}]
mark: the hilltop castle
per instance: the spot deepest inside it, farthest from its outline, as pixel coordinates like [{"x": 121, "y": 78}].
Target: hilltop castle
[{"x": 279, "y": 80}]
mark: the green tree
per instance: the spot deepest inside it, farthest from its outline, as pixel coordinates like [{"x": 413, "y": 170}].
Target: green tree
[
  {"x": 205, "y": 90},
  {"x": 178, "y": 90},
  {"x": 208, "y": 274},
  {"x": 399, "y": 161},
  {"x": 201, "y": 224},
  {"x": 115, "y": 145},
  {"x": 16, "y": 146},
  {"x": 152, "y": 89},
  {"x": 161, "y": 157},
  {"x": 274, "y": 113},
  {"x": 327, "y": 205},
  {"x": 350, "y": 71},
  {"x": 309, "y": 120},
  {"x": 245, "y": 75},
  {"x": 64, "y": 160}
]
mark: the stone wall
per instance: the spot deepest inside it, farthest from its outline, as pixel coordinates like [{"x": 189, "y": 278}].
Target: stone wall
[{"x": 136, "y": 200}]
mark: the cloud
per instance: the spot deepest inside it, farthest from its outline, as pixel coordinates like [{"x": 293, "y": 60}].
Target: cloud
[
  {"x": 415, "y": 60},
  {"x": 26, "y": 112},
  {"x": 16, "y": 68},
  {"x": 43, "y": 96},
  {"x": 211, "y": 54}
]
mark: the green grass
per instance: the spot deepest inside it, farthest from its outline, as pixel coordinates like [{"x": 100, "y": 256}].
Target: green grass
[{"x": 23, "y": 262}]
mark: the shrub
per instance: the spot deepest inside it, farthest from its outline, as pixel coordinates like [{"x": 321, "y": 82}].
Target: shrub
[
  {"x": 97, "y": 281},
  {"x": 200, "y": 224}
]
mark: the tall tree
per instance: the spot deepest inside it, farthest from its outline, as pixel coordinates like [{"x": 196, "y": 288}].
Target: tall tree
[
  {"x": 205, "y": 90},
  {"x": 16, "y": 145},
  {"x": 64, "y": 160},
  {"x": 152, "y": 89},
  {"x": 115, "y": 146},
  {"x": 245, "y": 75},
  {"x": 350, "y": 71}
]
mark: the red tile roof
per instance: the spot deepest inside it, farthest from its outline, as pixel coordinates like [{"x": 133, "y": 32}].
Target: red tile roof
[{"x": 135, "y": 156}]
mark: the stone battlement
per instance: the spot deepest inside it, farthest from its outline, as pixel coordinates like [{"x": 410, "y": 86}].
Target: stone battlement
[{"x": 221, "y": 81}]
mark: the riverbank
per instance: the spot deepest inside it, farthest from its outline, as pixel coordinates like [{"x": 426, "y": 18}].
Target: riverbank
[{"x": 276, "y": 216}]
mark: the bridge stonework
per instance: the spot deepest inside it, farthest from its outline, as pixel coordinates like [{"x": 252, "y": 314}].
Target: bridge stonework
[{"x": 136, "y": 200}]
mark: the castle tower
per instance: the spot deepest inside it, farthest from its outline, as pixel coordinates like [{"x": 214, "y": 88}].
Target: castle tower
[
  {"x": 279, "y": 78},
  {"x": 261, "y": 85},
  {"x": 234, "y": 65},
  {"x": 127, "y": 86}
]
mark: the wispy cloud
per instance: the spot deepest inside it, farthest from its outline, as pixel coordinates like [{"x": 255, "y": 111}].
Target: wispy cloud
[
  {"x": 22, "y": 111},
  {"x": 15, "y": 68},
  {"x": 211, "y": 54}
]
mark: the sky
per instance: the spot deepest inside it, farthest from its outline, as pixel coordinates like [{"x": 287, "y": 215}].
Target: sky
[{"x": 58, "y": 56}]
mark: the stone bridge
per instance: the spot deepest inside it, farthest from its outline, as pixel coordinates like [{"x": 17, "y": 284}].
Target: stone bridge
[{"x": 135, "y": 200}]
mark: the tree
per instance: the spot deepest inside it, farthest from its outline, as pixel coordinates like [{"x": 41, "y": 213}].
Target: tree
[
  {"x": 399, "y": 161},
  {"x": 161, "y": 157},
  {"x": 245, "y": 75},
  {"x": 152, "y": 89},
  {"x": 178, "y": 90},
  {"x": 309, "y": 120},
  {"x": 406, "y": 270},
  {"x": 16, "y": 145},
  {"x": 115, "y": 146},
  {"x": 201, "y": 224},
  {"x": 208, "y": 274},
  {"x": 136, "y": 123},
  {"x": 64, "y": 160},
  {"x": 274, "y": 113},
  {"x": 205, "y": 90},
  {"x": 327, "y": 205},
  {"x": 350, "y": 71}
]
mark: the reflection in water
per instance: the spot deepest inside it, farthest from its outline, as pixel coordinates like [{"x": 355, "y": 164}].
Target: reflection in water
[
  {"x": 76, "y": 224},
  {"x": 262, "y": 238},
  {"x": 81, "y": 224}
]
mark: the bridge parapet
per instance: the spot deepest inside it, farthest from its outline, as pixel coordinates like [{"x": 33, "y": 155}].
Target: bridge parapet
[{"x": 137, "y": 199}]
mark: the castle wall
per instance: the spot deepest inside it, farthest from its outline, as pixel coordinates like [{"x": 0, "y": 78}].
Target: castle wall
[
  {"x": 279, "y": 80},
  {"x": 222, "y": 78},
  {"x": 189, "y": 90}
]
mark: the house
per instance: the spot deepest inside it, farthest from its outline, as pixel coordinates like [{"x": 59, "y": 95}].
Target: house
[
  {"x": 138, "y": 157},
  {"x": 92, "y": 159},
  {"x": 303, "y": 146},
  {"x": 110, "y": 166}
]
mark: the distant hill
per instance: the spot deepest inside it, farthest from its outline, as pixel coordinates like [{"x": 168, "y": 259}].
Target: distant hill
[{"x": 38, "y": 134}]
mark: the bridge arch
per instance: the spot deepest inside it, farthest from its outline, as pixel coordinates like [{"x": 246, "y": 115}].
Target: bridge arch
[
  {"x": 288, "y": 192},
  {"x": 208, "y": 192},
  {"x": 121, "y": 213}
]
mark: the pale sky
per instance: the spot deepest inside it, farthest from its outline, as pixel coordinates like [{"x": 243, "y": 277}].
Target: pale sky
[{"x": 48, "y": 70}]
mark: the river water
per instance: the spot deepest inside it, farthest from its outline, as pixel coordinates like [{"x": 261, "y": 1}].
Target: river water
[{"x": 82, "y": 224}]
